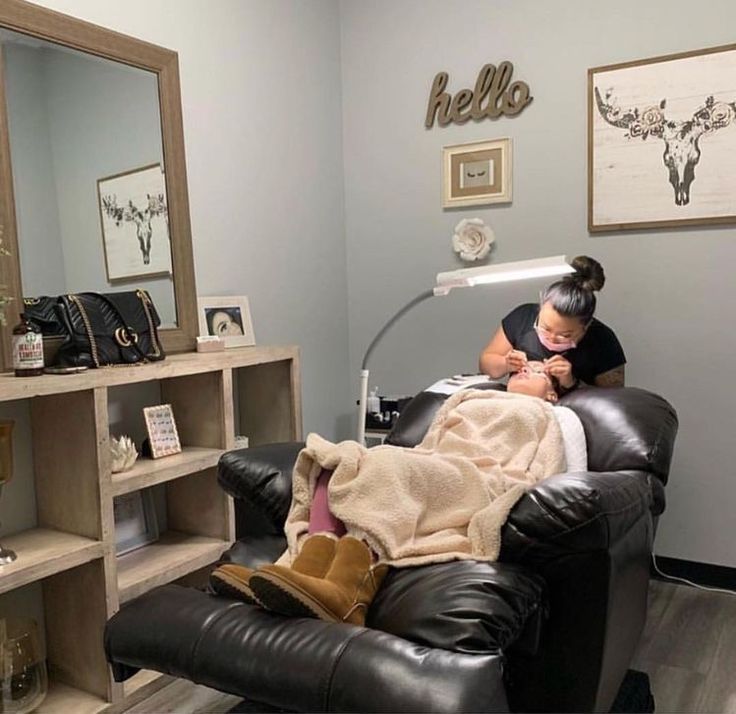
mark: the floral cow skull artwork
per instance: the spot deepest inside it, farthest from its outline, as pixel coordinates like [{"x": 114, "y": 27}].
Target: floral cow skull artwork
[{"x": 681, "y": 138}]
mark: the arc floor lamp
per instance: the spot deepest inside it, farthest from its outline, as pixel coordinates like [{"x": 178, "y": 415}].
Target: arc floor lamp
[{"x": 464, "y": 278}]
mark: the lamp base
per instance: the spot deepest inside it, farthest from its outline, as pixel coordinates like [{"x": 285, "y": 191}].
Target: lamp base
[{"x": 6, "y": 555}]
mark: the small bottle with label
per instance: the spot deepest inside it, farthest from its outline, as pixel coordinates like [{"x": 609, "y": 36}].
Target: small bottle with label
[
  {"x": 27, "y": 349},
  {"x": 373, "y": 403}
]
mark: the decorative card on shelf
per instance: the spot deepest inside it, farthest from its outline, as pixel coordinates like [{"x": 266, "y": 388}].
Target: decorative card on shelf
[{"x": 162, "y": 432}]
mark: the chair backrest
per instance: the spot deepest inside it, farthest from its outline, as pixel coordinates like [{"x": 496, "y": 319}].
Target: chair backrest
[{"x": 625, "y": 427}]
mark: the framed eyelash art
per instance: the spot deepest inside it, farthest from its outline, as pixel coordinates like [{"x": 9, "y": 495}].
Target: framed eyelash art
[
  {"x": 228, "y": 318},
  {"x": 476, "y": 174}
]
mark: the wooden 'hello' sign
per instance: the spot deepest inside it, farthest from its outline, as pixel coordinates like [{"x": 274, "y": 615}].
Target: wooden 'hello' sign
[{"x": 493, "y": 86}]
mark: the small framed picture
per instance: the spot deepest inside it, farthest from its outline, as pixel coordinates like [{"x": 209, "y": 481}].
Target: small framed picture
[
  {"x": 136, "y": 524},
  {"x": 135, "y": 224},
  {"x": 228, "y": 318},
  {"x": 476, "y": 174},
  {"x": 161, "y": 428}
]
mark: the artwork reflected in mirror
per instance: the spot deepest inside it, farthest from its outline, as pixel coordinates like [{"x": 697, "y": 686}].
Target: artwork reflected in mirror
[
  {"x": 135, "y": 229},
  {"x": 74, "y": 119}
]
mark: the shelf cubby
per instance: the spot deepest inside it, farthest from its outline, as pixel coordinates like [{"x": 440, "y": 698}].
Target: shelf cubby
[
  {"x": 172, "y": 556},
  {"x": 64, "y": 698},
  {"x": 150, "y": 472},
  {"x": 43, "y": 552}
]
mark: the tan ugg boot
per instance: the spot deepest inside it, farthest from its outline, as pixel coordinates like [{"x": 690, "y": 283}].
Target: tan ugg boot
[
  {"x": 315, "y": 558},
  {"x": 342, "y": 595}
]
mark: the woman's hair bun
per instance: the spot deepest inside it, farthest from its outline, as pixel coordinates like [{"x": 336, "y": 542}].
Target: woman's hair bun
[{"x": 588, "y": 273}]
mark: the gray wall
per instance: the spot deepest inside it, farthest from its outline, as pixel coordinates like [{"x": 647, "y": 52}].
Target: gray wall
[
  {"x": 260, "y": 84},
  {"x": 37, "y": 214},
  {"x": 670, "y": 294}
]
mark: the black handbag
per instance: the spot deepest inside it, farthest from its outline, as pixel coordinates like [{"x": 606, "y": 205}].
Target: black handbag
[
  {"x": 42, "y": 311},
  {"x": 109, "y": 329}
]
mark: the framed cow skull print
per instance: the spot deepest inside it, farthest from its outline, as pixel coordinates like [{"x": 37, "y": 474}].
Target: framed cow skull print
[
  {"x": 662, "y": 141},
  {"x": 135, "y": 226}
]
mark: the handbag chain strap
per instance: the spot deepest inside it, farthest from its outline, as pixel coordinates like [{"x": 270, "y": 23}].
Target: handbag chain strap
[
  {"x": 146, "y": 302},
  {"x": 88, "y": 327}
]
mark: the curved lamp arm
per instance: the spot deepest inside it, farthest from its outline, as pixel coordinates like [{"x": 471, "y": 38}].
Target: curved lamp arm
[{"x": 364, "y": 365}]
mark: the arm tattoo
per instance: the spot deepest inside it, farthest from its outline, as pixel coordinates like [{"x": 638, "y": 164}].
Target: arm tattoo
[{"x": 613, "y": 378}]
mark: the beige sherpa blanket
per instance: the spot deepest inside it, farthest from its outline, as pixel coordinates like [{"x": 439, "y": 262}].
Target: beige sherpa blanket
[{"x": 445, "y": 499}]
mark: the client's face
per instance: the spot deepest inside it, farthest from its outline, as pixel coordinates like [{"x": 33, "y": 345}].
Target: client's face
[{"x": 532, "y": 381}]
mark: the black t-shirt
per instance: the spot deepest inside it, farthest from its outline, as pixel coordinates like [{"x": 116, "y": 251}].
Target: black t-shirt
[{"x": 599, "y": 351}]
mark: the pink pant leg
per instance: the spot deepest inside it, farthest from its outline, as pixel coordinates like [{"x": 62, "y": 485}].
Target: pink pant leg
[{"x": 320, "y": 518}]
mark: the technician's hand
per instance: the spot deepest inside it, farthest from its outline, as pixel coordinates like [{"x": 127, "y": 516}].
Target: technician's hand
[
  {"x": 515, "y": 360},
  {"x": 561, "y": 368}
]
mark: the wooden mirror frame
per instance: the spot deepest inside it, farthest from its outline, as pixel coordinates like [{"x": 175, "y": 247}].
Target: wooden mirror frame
[{"x": 62, "y": 29}]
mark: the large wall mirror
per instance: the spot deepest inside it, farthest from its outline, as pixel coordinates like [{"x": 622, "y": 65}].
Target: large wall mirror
[{"x": 93, "y": 190}]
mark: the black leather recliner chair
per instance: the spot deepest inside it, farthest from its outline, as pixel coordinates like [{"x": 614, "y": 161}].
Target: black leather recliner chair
[{"x": 550, "y": 627}]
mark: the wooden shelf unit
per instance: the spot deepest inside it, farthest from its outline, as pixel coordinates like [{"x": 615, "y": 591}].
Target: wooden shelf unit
[{"x": 254, "y": 391}]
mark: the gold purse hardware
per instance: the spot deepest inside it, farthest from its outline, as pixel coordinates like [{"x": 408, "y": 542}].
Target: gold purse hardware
[{"x": 125, "y": 337}]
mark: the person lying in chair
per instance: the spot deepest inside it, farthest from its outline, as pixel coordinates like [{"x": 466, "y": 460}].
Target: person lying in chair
[{"x": 357, "y": 511}]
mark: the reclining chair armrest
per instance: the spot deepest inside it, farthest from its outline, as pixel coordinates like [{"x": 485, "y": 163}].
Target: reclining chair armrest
[
  {"x": 589, "y": 535},
  {"x": 574, "y": 513},
  {"x": 261, "y": 476}
]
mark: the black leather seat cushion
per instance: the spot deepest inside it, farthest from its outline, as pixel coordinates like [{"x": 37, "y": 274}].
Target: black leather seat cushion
[
  {"x": 461, "y": 606},
  {"x": 296, "y": 663}
]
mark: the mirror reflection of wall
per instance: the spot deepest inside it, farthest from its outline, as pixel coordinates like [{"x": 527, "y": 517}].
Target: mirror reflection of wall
[{"x": 73, "y": 119}]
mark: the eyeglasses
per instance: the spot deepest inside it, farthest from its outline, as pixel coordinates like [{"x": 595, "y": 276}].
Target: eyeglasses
[{"x": 550, "y": 334}]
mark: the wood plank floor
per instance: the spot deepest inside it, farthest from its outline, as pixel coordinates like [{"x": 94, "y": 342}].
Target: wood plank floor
[
  {"x": 689, "y": 649},
  {"x": 184, "y": 697}
]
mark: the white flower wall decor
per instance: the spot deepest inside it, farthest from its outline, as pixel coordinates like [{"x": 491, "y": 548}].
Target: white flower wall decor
[{"x": 472, "y": 239}]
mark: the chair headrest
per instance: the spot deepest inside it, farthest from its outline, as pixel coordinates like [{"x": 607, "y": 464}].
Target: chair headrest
[{"x": 625, "y": 427}]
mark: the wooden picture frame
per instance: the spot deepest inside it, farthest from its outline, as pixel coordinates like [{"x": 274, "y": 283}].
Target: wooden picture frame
[
  {"x": 661, "y": 141},
  {"x": 30, "y": 19},
  {"x": 135, "y": 518},
  {"x": 135, "y": 225},
  {"x": 162, "y": 433},
  {"x": 227, "y": 317},
  {"x": 477, "y": 173}
]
